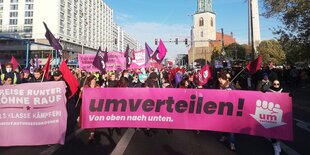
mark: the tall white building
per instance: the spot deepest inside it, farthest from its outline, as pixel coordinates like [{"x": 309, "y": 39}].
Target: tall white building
[
  {"x": 254, "y": 18},
  {"x": 81, "y": 25},
  {"x": 123, "y": 39}
]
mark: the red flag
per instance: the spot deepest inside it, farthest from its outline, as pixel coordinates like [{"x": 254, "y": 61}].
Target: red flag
[
  {"x": 69, "y": 78},
  {"x": 46, "y": 68},
  {"x": 204, "y": 75},
  {"x": 14, "y": 62},
  {"x": 254, "y": 66}
]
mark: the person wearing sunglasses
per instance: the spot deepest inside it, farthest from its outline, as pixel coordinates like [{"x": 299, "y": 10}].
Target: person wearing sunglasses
[{"x": 276, "y": 87}]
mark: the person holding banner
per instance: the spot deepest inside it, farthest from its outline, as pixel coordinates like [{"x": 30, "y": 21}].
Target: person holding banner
[
  {"x": 225, "y": 84},
  {"x": 112, "y": 82},
  {"x": 276, "y": 88},
  {"x": 9, "y": 71},
  {"x": 91, "y": 82},
  {"x": 7, "y": 80},
  {"x": 135, "y": 83},
  {"x": 26, "y": 76},
  {"x": 38, "y": 76}
]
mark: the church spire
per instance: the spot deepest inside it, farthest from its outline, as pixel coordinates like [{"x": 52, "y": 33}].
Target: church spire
[{"x": 204, "y": 6}]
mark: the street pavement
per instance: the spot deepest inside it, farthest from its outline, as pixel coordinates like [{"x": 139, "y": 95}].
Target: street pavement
[{"x": 179, "y": 142}]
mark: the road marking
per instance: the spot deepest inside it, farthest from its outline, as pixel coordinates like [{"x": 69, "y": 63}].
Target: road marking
[
  {"x": 303, "y": 125},
  {"x": 123, "y": 143},
  {"x": 307, "y": 124},
  {"x": 288, "y": 150},
  {"x": 50, "y": 150}
]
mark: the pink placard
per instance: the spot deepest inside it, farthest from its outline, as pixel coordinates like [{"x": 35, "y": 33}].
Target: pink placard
[
  {"x": 33, "y": 114},
  {"x": 116, "y": 62},
  {"x": 246, "y": 112}
]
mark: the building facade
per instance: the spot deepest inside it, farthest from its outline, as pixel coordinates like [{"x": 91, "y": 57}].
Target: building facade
[
  {"x": 203, "y": 32},
  {"x": 81, "y": 25}
]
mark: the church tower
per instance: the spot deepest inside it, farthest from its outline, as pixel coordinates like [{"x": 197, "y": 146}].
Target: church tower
[{"x": 203, "y": 30}]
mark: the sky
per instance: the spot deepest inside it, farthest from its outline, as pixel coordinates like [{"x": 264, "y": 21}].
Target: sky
[{"x": 146, "y": 20}]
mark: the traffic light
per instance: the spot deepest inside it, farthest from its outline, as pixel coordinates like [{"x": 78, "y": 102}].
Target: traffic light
[
  {"x": 186, "y": 41},
  {"x": 176, "y": 41},
  {"x": 156, "y": 41}
]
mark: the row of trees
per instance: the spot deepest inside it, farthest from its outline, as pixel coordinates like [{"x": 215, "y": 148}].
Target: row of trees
[{"x": 293, "y": 42}]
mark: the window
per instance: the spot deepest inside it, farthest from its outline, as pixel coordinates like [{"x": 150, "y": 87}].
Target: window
[
  {"x": 13, "y": 29},
  {"x": 201, "y": 34},
  {"x": 28, "y": 21},
  {"x": 14, "y": 7},
  {"x": 28, "y": 28},
  {"x": 29, "y": 0},
  {"x": 0, "y": 21},
  {"x": 14, "y": 1},
  {"x": 13, "y": 14},
  {"x": 1, "y": 7},
  {"x": 1, "y": 1},
  {"x": 211, "y": 22},
  {"x": 201, "y": 21},
  {"x": 13, "y": 21},
  {"x": 29, "y": 7},
  {"x": 28, "y": 14}
]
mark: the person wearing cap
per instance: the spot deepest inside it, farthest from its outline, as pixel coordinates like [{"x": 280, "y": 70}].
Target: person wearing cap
[
  {"x": 57, "y": 76},
  {"x": 264, "y": 84},
  {"x": 26, "y": 76},
  {"x": 72, "y": 110},
  {"x": 9, "y": 71}
]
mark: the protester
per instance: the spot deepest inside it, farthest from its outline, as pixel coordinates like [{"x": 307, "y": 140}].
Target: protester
[
  {"x": 112, "y": 82},
  {"x": 224, "y": 84},
  {"x": 264, "y": 84},
  {"x": 152, "y": 81},
  {"x": 91, "y": 82},
  {"x": 26, "y": 76},
  {"x": 135, "y": 83},
  {"x": 38, "y": 76},
  {"x": 276, "y": 87},
  {"x": 9, "y": 71},
  {"x": 7, "y": 80}
]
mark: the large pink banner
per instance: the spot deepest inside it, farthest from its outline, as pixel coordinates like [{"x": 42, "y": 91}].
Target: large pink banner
[
  {"x": 33, "y": 114},
  {"x": 116, "y": 62},
  {"x": 246, "y": 112}
]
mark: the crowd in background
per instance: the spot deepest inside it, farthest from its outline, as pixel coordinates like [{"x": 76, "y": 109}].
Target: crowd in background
[{"x": 266, "y": 79}]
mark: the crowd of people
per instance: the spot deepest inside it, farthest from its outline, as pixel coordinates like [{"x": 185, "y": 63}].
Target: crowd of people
[{"x": 265, "y": 80}]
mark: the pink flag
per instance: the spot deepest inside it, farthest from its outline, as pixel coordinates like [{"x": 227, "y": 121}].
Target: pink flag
[
  {"x": 160, "y": 52},
  {"x": 133, "y": 57},
  {"x": 204, "y": 75},
  {"x": 254, "y": 66},
  {"x": 14, "y": 62}
]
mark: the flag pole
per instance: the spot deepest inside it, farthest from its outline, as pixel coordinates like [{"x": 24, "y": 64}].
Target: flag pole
[
  {"x": 238, "y": 74},
  {"x": 77, "y": 102},
  {"x": 43, "y": 75}
]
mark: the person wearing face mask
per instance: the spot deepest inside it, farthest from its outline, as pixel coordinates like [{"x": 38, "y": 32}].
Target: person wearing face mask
[{"x": 9, "y": 71}]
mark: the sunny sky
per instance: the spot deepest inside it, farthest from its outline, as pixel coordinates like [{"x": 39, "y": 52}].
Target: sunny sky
[{"x": 146, "y": 20}]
